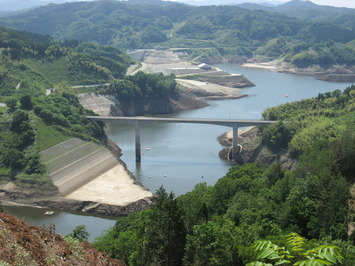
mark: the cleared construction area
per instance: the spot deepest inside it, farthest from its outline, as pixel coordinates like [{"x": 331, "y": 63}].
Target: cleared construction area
[{"x": 86, "y": 171}]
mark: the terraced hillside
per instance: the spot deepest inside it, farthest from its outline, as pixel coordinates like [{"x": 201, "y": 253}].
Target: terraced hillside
[{"x": 73, "y": 163}]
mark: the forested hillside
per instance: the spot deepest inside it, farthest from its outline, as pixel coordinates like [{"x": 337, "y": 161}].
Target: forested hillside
[
  {"x": 231, "y": 30},
  {"x": 307, "y": 10},
  {"x": 37, "y": 75},
  {"x": 217, "y": 225},
  {"x": 32, "y": 63}
]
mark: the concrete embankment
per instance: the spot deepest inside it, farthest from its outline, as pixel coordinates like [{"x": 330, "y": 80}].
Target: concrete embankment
[
  {"x": 90, "y": 173},
  {"x": 73, "y": 163},
  {"x": 108, "y": 105}
]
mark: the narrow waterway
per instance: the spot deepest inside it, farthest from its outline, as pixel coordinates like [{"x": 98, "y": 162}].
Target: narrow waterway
[{"x": 179, "y": 156}]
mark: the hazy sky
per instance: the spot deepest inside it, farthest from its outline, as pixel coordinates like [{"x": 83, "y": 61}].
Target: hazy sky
[{"x": 338, "y": 3}]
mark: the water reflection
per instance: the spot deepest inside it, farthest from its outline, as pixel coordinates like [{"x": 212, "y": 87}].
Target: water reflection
[{"x": 65, "y": 222}]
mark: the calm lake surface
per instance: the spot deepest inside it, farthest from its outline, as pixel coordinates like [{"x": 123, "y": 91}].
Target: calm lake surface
[{"x": 179, "y": 156}]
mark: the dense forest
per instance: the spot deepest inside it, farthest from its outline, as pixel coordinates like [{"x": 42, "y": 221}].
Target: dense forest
[
  {"x": 230, "y": 30},
  {"x": 308, "y": 11},
  {"x": 218, "y": 225}
]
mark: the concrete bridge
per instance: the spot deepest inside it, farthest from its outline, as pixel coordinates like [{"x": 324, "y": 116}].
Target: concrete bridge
[{"x": 137, "y": 121}]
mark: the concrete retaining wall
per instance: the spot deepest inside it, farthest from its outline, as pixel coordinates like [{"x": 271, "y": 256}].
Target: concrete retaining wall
[{"x": 73, "y": 163}]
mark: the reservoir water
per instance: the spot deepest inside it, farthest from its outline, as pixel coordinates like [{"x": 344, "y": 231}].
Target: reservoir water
[{"x": 179, "y": 156}]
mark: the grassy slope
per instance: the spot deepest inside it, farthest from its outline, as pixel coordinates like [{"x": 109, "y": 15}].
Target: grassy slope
[
  {"x": 48, "y": 136},
  {"x": 55, "y": 71}
]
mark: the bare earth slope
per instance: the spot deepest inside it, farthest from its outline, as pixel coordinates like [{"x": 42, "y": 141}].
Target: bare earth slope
[{"x": 21, "y": 244}]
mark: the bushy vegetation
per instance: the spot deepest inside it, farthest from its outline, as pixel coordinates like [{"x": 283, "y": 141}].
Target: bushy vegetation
[
  {"x": 31, "y": 63},
  {"x": 324, "y": 42},
  {"x": 142, "y": 85},
  {"x": 30, "y": 126},
  {"x": 325, "y": 118},
  {"x": 217, "y": 225}
]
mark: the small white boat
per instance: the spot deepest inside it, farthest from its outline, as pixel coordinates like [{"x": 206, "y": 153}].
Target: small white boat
[
  {"x": 48, "y": 212},
  {"x": 147, "y": 149}
]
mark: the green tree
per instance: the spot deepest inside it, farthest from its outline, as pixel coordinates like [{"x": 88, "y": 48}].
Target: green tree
[
  {"x": 26, "y": 102},
  {"x": 164, "y": 23},
  {"x": 34, "y": 165},
  {"x": 79, "y": 233},
  {"x": 153, "y": 34},
  {"x": 212, "y": 243},
  {"x": 165, "y": 232},
  {"x": 125, "y": 240},
  {"x": 13, "y": 158},
  {"x": 11, "y": 103},
  {"x": 125, "y": 90},
  {"x": 20, "y": 122},
  {"x": 321, "y": 129}
]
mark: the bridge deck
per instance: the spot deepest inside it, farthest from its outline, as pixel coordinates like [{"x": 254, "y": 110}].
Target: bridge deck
[
  {"x": 220, "y": 122},
  {"x": 138, "y": 120}
]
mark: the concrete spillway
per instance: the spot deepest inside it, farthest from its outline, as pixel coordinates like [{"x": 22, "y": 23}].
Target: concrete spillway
[{"x": 73, "y": 163}]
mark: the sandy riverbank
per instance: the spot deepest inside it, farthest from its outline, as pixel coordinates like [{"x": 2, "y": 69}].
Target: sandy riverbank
[
  {"x": 115, "y": 193},
  {"x": 115, "y": 187}
]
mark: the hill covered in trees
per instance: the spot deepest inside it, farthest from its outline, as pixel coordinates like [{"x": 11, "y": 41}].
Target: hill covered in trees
[
  {"x": 37, "y": 75},
  {"x": 308, "y": 11},
  {"x": 217, "y": 225},
  {"x": 32, "y": 63},
  {"x": 231, "y": 30}
]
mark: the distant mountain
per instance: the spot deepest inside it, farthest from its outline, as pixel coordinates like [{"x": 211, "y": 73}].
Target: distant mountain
[
  {"x": 227, "y": 2},
  {"x": 299, "y": 3},
  {"x": 240, "y": 31},
  {"x": 307, "y": 10}
]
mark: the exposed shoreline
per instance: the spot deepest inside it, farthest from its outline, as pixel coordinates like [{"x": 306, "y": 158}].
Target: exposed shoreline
[
  {"x": 333, "y": 74},
  {"x": 114, "y": 193}
]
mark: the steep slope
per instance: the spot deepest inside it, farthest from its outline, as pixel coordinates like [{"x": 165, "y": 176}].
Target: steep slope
[
  {"x": 74, "y": 163},
  {"x": 21, "y": 244}
]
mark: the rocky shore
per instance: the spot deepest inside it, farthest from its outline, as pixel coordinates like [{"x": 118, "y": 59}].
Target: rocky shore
[
  {"x": 253, "y": 151},
  {"x": 12, "y": 195}
]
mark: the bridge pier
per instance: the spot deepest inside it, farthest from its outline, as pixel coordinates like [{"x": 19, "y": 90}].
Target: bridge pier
[
  {"x": 137, "y": 121},
  {"x": 138, "y": 141},
  {"x": 235, "y": 142}
]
